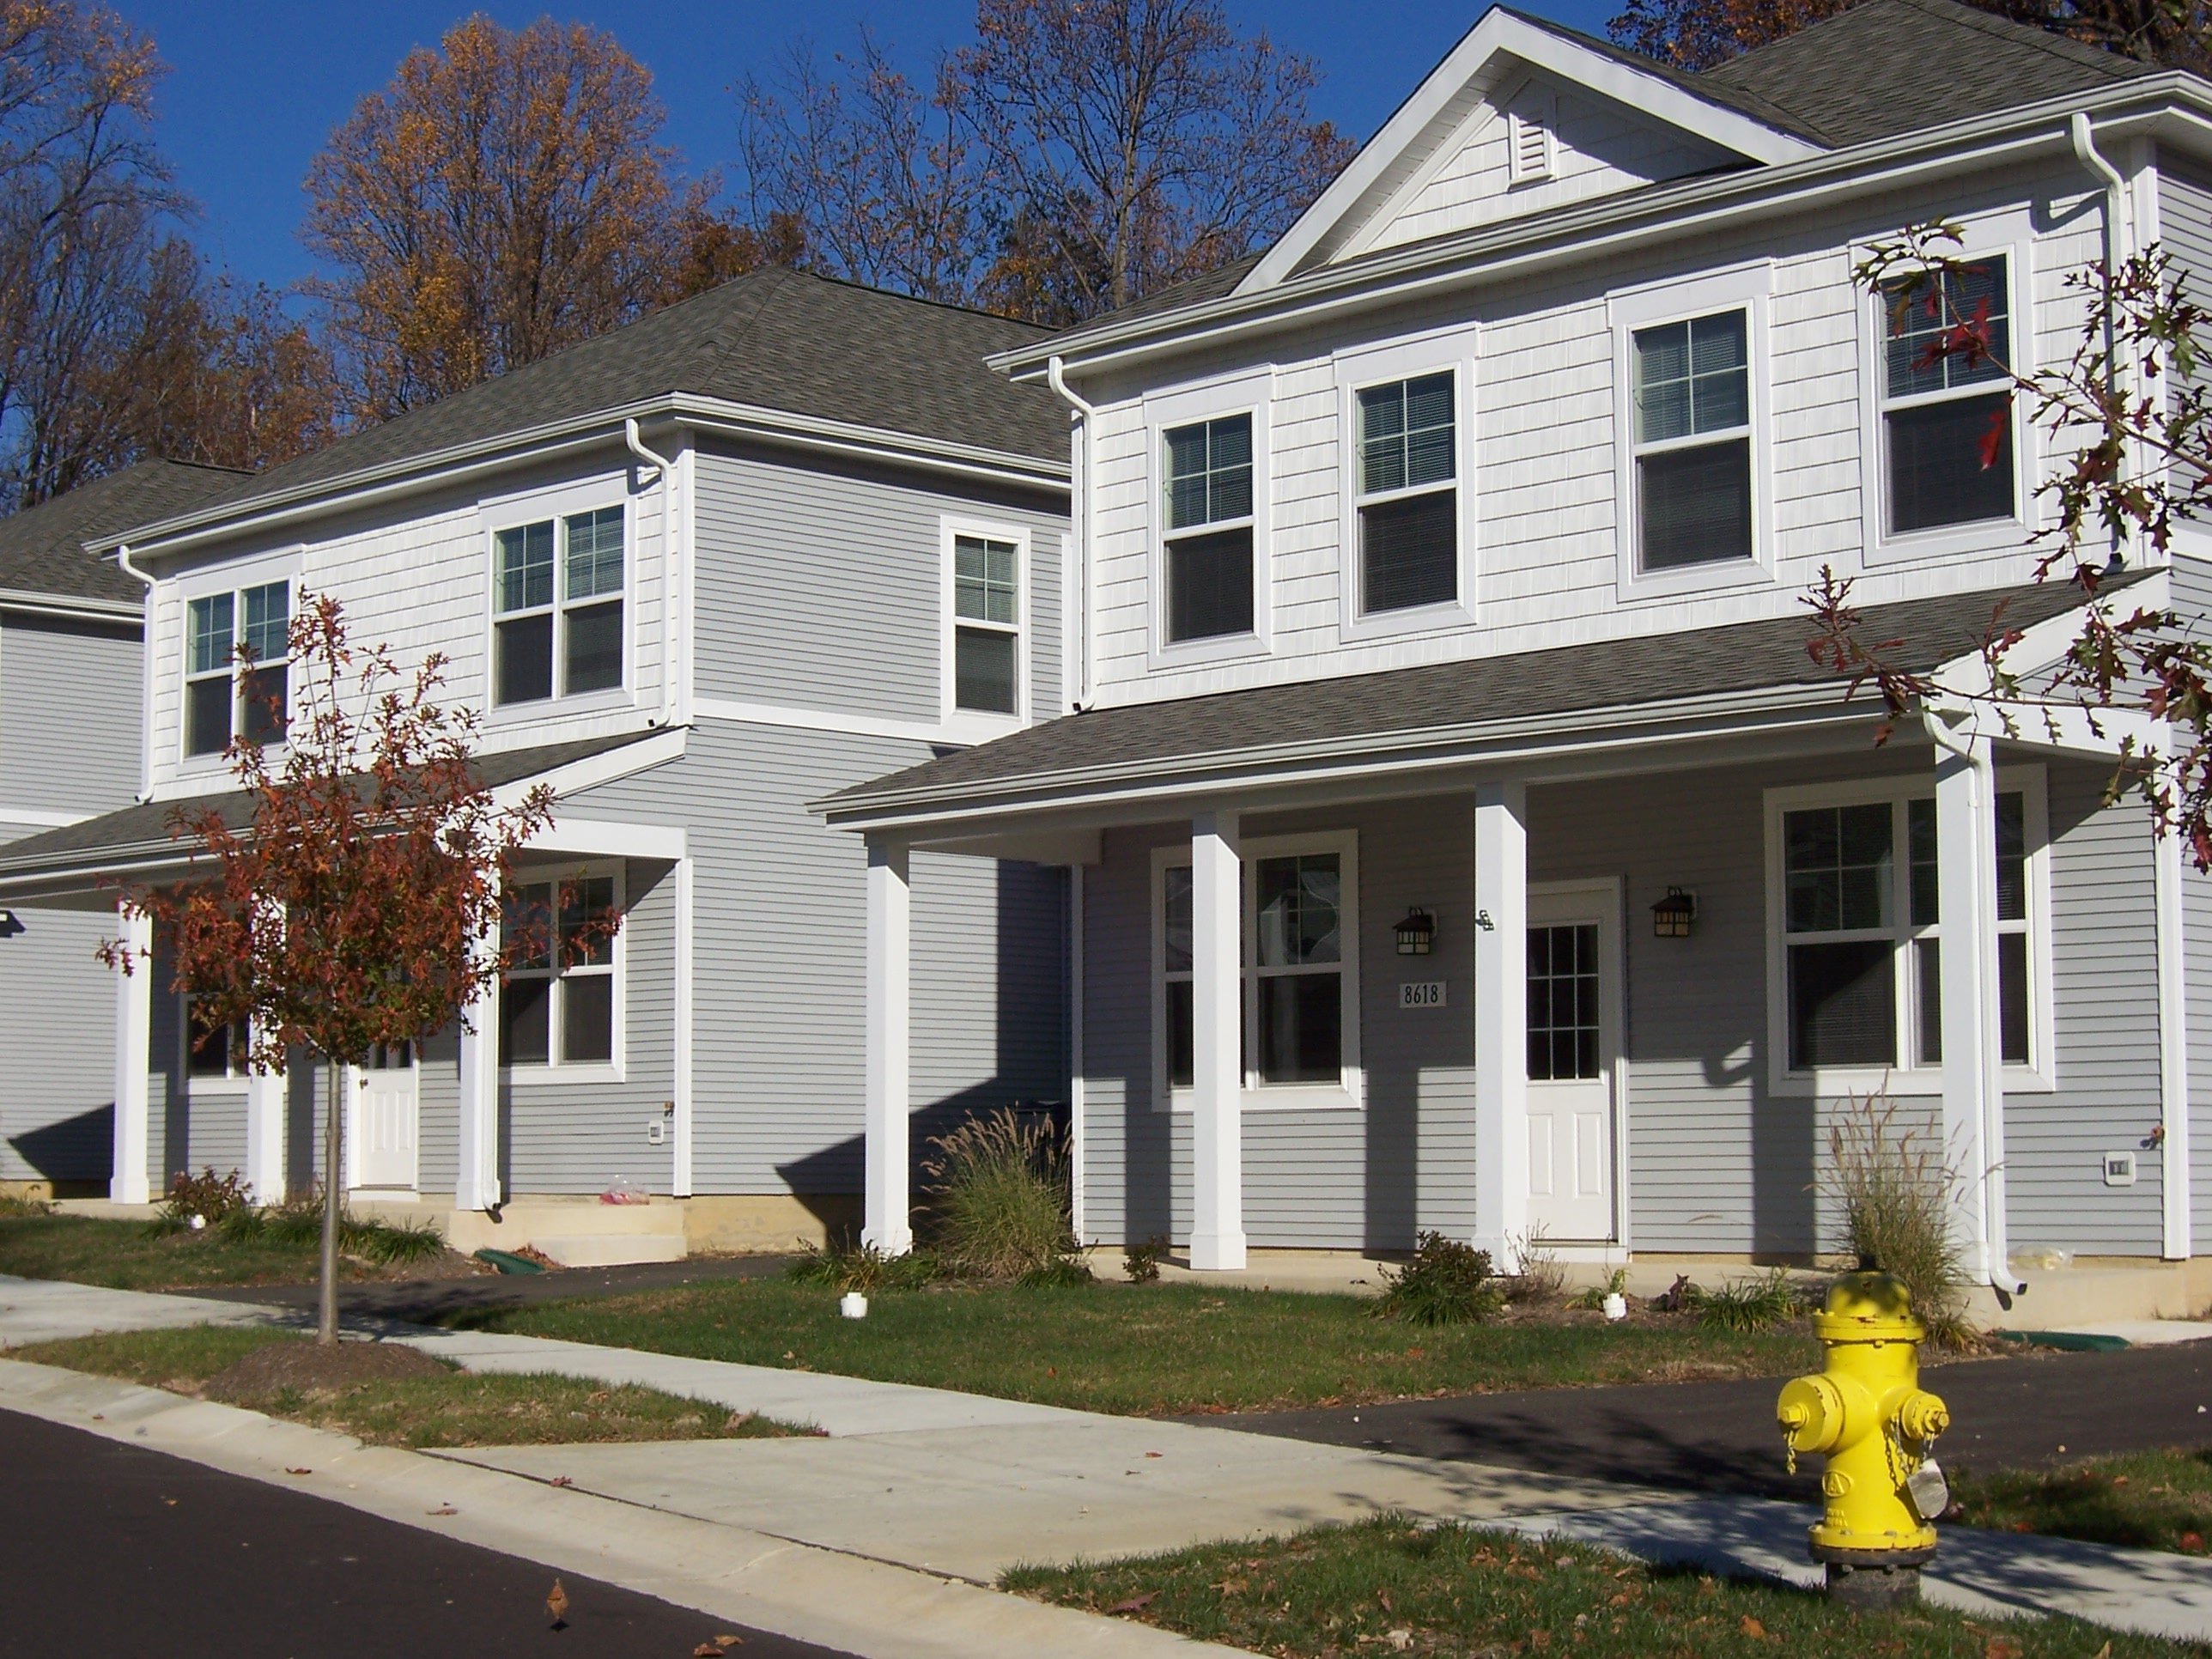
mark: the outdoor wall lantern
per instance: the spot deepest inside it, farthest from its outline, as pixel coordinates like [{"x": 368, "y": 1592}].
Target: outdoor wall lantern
[
  {"x": 1417, "y": 934},
  {"x": 1672, "y": 916}
]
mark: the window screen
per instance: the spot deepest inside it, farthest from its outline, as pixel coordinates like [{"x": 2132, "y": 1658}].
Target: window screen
[{"x": 1209, "y": 572}]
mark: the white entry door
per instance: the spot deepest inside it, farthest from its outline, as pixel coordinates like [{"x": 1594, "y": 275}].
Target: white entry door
[
  {"x": 1574, "y": 1024},
  {"x": 383, "y": 1129}
]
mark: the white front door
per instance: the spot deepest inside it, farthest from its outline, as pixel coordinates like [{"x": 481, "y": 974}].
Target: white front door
[
  {"x": 383, "y": 1119},
  {"x": 1574, "y": 1024}
]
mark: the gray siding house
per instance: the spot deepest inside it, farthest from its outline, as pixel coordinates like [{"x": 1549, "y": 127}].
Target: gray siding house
[
  {"x": 1465, "y": 839},
  {"x": 760, "y": 546},
  {"x": 68, "y": 670}
]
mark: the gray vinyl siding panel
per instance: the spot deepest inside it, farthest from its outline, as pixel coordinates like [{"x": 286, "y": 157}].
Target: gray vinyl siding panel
[
  {"x": 2184, "y": 225},
  {"x": 1718, "y": 1161},
  {"x": 57, "y": 1029},
  {"x": 825, "y": 589},
  {"x": 68, "y": 689},
  {"x": 780, "y": 949}
]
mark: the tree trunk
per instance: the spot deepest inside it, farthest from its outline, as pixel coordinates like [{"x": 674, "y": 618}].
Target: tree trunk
[{"x": 327, "y": 1298}]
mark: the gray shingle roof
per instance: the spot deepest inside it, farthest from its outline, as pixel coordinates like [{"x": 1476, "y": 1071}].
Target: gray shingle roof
[
  {"x": 778, "y": 339},
  {"x": 1437, "y": 703},
  {"x": 140, "y": 833},
  {"x": 42, "y": 548},
  {"x": 1894, "y": 66}
]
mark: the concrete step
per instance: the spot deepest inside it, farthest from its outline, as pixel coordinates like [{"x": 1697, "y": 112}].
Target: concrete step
[{"x": 610, "y": 1249}]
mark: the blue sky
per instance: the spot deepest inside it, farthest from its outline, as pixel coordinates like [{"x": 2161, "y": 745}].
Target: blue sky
[{"x": 254, "y": 89}]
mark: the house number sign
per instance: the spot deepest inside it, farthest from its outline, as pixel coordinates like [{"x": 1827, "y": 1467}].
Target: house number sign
[{"x": 1421, "y": 994}]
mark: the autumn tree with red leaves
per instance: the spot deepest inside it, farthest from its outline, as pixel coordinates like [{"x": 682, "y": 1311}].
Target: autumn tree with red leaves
[
  {"x": 2127, "y": 423},
  {"x": 352, "y": 910}
]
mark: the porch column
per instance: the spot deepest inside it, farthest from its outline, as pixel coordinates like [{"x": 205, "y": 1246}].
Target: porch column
[
  {"x": 887, "y": 1218},
  {"x": 134, "y": 1058},
  {"x": 264, "y": 1135},
  {"x": 476, "y": 1183},
  {"x": 1974, "y": 1065},
  {"x": 1501, "y": 1019},
  {"x": 1216, "y": 953}
]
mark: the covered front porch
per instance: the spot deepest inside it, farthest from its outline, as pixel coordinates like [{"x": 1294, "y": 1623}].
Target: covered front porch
[{"x": 1607, "y": 981}]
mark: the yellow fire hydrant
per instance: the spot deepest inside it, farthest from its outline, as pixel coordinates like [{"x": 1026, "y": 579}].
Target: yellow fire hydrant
[{"x": 1867, "y": 1411}]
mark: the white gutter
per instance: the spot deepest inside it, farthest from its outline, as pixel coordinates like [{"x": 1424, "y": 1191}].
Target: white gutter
[
  {"x": 145, "y": 676},
  {"x": 1079, "y": 514},
  {"x": 1991, "y": 1105},
  {"x": 1521, "y": 248},
  {"x": 667, "y": 472},
  {"x": 2116, "y": 248}
]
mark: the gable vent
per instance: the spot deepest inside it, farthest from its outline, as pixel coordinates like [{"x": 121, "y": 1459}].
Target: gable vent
[{"x": 1528, "y": 139}]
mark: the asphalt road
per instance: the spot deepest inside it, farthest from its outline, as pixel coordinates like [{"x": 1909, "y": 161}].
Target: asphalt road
[
  {"x": 108, "y": 1548},
  {"x": 433, "y": 1301},
  {"x": 2037, "y": 1408}
]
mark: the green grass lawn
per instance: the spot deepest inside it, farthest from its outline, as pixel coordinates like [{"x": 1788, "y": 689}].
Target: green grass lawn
[
  {"x": 2156, "y": 1500},
  {"x": 458, "y": 1409},
  {"x": 1154, "y": 1349},
  {"x": 1389, "y": 1586},
  {"x": 131, "y": 1255}
]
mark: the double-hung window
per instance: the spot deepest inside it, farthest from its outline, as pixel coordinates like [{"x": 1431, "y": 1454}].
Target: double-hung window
[
  {"x": 557, "y": 607},
  {"x": 1946, "y": 417},
  {"x": 1693, "y": 442},
  {"x": 986, "y": 625},
  {"x": 1408, "y": 498},
  {"x": 237, "y": 673},
  {"x": 1207, "y": 548},
  {"x": 213, "y": 1052},
  {"x": 1298, "y": 1013},
  {"x": 1861, "y": 935},
  {"x": 558, "y": 1005}
]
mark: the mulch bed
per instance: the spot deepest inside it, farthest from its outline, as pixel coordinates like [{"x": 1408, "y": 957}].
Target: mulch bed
[{"x": 309, "y": 1366}]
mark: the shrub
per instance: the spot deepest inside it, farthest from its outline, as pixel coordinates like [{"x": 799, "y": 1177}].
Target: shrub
[
  {"x": 1896, "y": 1192},
  {"x": 1446, "y": 1283},
  {"x": 208, "y": 1195},
  {"x": 1591, "y": 1297},
  {"x": 1000, "y": 1196},
  {"x": 392, "y": 1242},
  {"x": 864, "y": 1268},
  {"x": 1141, "y": 1263},
  {"x": 23, "y": 1204},
  {"x": 1062, "y": 1272},
  {"x": 1749, "y": 1304},
  {"x": 1543, "y": 1276}
]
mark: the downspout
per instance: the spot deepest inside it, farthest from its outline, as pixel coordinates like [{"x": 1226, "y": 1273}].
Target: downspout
[
  {"x": 2085, "y": 152},
  {"x": 667, "y": 471},
  {"x": 1078, "y": 532},
  {"x": 2001, "y": 1278},
  {"x": 145, "y": 677}
]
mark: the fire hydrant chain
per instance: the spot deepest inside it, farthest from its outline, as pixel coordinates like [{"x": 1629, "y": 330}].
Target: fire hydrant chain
[{"x": 1866, "y": 1412}]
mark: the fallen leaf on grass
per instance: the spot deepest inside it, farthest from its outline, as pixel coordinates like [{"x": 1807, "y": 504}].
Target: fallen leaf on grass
[
  {"x": 2001, "y": 1647},
  {"x": 1753, "y": 1629},
  {"x": 1401, "y": 1641},
  {"x": 1134, "y": 1604},
  {"x": 450, "y": 1510},
  {"x": 298, "y": 1471},
  {"x": 563, "y": 1480}
]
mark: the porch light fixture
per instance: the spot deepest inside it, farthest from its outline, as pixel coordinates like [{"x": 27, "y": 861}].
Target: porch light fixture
[
  {"x": 1672, "y": 916},
  {"x": 1417, "y": 934}
]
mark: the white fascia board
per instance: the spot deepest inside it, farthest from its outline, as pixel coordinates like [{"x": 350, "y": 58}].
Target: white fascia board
[
  {"x": 1500, "y": 32},
  {"x": 1365, "y": 754},
  {"x": 1630, "y": 225},
  {"x": 603, "y": 838},
  {"x": 70, "y": 607},
  {"x": 592, "y": 770},
  {"x": 2045, "y": 642},
  {"x": 531, "y": 446}
]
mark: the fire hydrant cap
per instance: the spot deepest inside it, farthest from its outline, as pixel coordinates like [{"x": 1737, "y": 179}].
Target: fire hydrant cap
[
  {"x": 1810, "y": 1414},
  {"x": 1868, "y": 1307}
]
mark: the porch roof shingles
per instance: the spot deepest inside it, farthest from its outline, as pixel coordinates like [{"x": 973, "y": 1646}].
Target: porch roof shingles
[
  {"x": 1438, "y": 701},
  {"x": 134, "y": 834}
]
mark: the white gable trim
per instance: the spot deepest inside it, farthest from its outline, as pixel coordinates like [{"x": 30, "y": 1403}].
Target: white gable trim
[{"x": 1501, "y": 32}]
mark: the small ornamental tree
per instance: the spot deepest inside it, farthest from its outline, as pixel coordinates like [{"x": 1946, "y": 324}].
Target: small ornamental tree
[
  {"x": 2127, "y": 418},
  {"x": 355, "y": 907}
]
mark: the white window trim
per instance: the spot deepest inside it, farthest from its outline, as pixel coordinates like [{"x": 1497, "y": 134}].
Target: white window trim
[
  {"x": 558, "y": 506},
  {"x": 1247, "y": 394},
  {"x": 1542, "y": 111},
  {"x": 1349, "y": 1093},
  {"x": 1455, "y": 350},
  {"x": 972, "y": 724},
  {"x": 230, "y": 1083},
  {"x": 2011, "y": 237},
  {"x": 2041, "y": 1075},
  {"x": 1749, "y": 289},
  {"x": 235, "y": 580},
  {"x": 555, "y": 1070}
]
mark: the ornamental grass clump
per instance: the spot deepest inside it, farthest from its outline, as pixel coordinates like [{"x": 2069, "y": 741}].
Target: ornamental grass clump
[
  {"x": 999, "y": 1198},
  {"x": 1446, "y": 1283},
  {"x": 1896, "y": 1193},
  {"x": 1750, "y": 1304}
]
